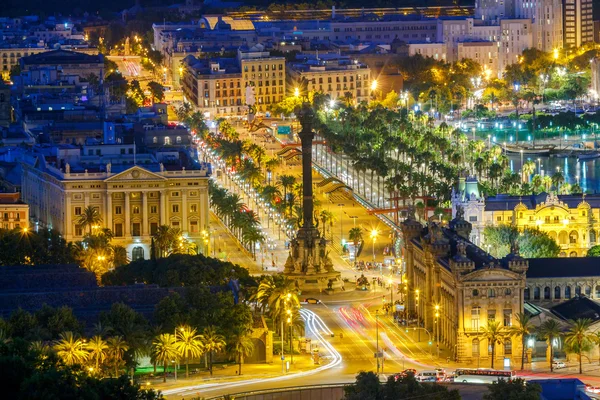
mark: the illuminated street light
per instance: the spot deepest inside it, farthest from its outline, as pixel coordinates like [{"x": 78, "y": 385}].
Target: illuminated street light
[
  {"x": 374, "y": 85},
  {"x": 296, "y": 92}
]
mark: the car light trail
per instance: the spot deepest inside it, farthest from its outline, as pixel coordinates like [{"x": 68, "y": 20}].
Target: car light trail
[{"x": 315, "y": 325}]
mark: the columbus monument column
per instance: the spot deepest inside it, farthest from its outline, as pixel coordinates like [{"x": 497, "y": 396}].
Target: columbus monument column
[{"x": 308, "y": 262}]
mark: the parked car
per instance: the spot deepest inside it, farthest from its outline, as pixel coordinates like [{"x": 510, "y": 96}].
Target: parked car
[{"x": 558, "y": 364}]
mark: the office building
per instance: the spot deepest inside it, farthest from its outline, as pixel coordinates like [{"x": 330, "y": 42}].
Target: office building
[{"x": 578, "y": 22}]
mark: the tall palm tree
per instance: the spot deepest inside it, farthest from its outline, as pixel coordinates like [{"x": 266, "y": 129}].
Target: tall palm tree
[
  {"x": 117, "y": 347},
  {"x": 164, "y": 238},
  {"x": 528, "y": 169},
  {"x": 70, "y": 349},
  {"x": 578, "y": 338},
  {"x": 355, "y": 235},
  {"x": 164, "y": 349},
  {"x": 286, "y": 181},
  {"x": 240, "y": 345},
  {"x": 89, "y": 218},
  {"x": 97, "y": 349},
  {"x": 189, "y": 344},
  {"x": 495, "y": 334},
  {"x": 550, "y": 330},
  {"x": 213, "y": 342},
  {"x": 326, "y": 216},
  {"x": 525, "y": 327}
]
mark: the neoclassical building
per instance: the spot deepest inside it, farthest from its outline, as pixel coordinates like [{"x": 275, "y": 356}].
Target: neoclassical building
[
  {"x": 572, "y": 220},
  {"x": 133, "y": 200},
  {"x": 468, "y": 286}
]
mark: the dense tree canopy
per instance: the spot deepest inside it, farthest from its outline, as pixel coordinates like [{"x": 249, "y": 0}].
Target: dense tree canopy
[{"x": 532, "y": 243}]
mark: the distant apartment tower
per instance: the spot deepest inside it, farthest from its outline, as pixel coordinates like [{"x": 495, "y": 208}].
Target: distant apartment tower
[
  {"x": 493, "y": 10},
  {"x": 578, "y": 22},
  {"x": 547, "y": 22}
]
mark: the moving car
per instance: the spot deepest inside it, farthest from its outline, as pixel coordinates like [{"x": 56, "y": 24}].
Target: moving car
[
  {"x": 428, "y": 376},
  {"x": 311, "y": 300}
]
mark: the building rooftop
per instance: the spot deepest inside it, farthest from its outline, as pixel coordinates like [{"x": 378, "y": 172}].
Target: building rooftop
[
  {"x": 577, "y": 307},
  {"x": 563, "y": 267},
  {"x": 62, "y": 57},
  {"x": 503, "y": 202}
]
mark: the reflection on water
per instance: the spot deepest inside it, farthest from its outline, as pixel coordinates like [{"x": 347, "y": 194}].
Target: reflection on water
[{"x": 585, "y": 172}]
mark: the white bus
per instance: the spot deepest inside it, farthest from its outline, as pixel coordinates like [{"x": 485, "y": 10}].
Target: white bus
[{"x": 482, "y": 375}]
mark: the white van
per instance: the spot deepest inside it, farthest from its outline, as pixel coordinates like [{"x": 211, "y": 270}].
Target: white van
[{"x": 428, "y": 376}]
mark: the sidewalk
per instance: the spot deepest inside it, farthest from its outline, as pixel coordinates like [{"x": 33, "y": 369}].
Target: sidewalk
[{"x": 228, "y": 373}]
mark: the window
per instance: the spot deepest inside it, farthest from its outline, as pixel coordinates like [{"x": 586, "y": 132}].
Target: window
[
  {"x": 568, "y": 292},
  {"x": 175, "y": 224},
  {"x": 475, "y": 347},
  {"x": 475, "y": 318},
  {"x": 499, "y": 218},
  {"x": 193, "y": 208},
  {"x": 526, "y": 294},
  {"x": 475, "y": 292},
  {"x": 153, "y": 228},
  {"x": 507, "y": 317},
  {"x": 507, "y": 292},
  {"x": 194, "y": 226},
  {"x": 118, "y": 210},
  {"x": 136, "y": 209},
  {"x": 137, "y": 253},
  {"x": 491, "y": 293},
  {"x": 491, "y": 315},
  {"x": 473, "y": 218},
  {"x": 174, "y": 194},
  {"x": 508, "y": 347},
  {"x": 153, "y": 209},
  {"x": 578, "y": 291},
  {"x": 136, "y": 229},
  {"x": 557, "y": 291},
  {"x": 588, "y": 291},
  {"x": 536, "y": 293},
  {"x": 77, "y": 210},
  {"x": 178, "y": 138},
  {"x": 5, "y": 217},
  {"x": 78, "y": 230},
  {"x": 118, "y": 230},
  {"x": 546, "y": 293},
  {"x": 175, "y": 208}
]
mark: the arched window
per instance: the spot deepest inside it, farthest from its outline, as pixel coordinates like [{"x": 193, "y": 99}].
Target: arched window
[
  {"x": 508, "y": 347},
  {"x": 568, "y": 292},
  {"x": 573, "y": 254},
  {"x": 475, "y": 347},
  {"x": 598, "y": 292},
  {"x": 546, "y": 293},
  {"x": 507, "y": 292},
  {"x": 526, "y": 293},
  {"x": 573, "y": 237},
  {"x": 536, "y": 293},
  {"x": 557, "y": 292},
  {"x": 578, "y": 291},
  {"x": 475, "y": 292},
  {"x": 137, "y": 253},
  {"x": 588, "y": 291},
  {"x": 592, "y": 236},
  {"x": 563, "y": 237}
]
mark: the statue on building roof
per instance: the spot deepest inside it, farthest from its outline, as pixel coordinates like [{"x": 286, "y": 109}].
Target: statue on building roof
[{"x": 460, "y": 212}]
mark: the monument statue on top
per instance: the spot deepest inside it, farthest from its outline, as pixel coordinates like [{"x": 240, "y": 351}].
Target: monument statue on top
[{"x": 308, "y": 248}]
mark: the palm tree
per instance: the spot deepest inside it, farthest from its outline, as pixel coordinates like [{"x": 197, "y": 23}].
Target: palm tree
[
  {"x": 70, "y": 349},
  {"x": 116, "y": 349},
  {"x": 557, "y": 179},
  {"x": 213, "y": 342},
  {"x": 528, "y": 169},
  {"x": 164, "y": 237},
  {"x": 550, "y": 330},
  {"x": 326, "y": 216},
  {"x": 89, "y": 218},
  {"x": 286, "y": 181},
  {"x": 355, "y": 235},
  {"x": 578, "y": 337},
  {"x": 189, "y": 344},
  {"x": 495, "y": 334},
  {"x": 119, "y": 255},
  {"x": 164, "y": 349},
  {"x": 240, "y": 345},
  {"x": 97, "y": 348},
  {"x": 524, "y": 328}
]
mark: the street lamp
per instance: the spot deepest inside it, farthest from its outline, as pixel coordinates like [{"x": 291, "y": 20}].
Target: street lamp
[
  {"x": 374, "y": 234},
  {"x": 296, "y": 92}
]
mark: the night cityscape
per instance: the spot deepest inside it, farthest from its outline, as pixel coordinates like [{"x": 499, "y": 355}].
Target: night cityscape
[{"x": 261, "y": 200}]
